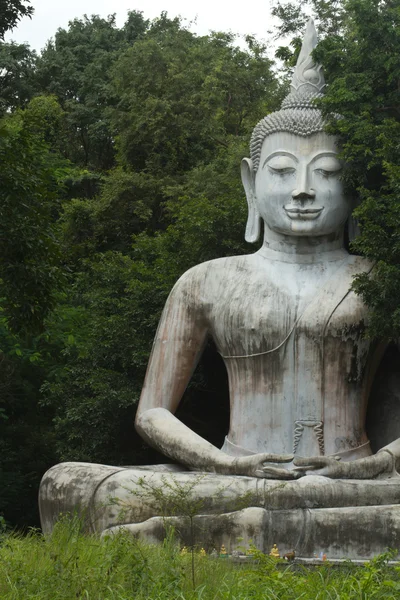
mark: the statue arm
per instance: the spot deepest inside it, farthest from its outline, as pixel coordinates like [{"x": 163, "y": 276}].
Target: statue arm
[
  {"x": 385, "y": 463},
  {"x": 371, "y": 467},
  {"x": 162, "y": 430},
  {"x": 178, "y": 345}
]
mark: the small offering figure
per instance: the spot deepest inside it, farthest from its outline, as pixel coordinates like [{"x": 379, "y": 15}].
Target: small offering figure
[
  {"x": 290, "y": 555},
  {"x": 223, "y": 551},
  {"x": 275, "y": 552}
]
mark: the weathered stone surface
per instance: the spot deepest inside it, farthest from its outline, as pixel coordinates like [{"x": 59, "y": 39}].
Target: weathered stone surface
[
  {"x": 310, "y": 515},
  {"x": 340, "y": 533}
]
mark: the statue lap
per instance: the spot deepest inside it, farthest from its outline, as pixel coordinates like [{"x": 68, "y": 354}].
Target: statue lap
[{"x": 311, "y": 514}]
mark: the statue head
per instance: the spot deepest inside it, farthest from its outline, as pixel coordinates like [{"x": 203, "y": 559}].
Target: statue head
[{"x": 292, "y": 180}]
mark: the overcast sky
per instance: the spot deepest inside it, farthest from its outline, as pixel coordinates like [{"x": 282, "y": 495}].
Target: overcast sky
[{"x": 237, "y": 16}]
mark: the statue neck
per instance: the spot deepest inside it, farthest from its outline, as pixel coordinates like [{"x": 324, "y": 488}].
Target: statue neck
[{"x": 303, "y": 249}]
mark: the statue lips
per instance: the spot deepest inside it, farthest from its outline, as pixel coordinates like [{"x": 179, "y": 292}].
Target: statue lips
[{"x": 303, "y": 213}]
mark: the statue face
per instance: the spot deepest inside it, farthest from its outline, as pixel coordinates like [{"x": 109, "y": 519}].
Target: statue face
[{"x": 298, "y": 187}]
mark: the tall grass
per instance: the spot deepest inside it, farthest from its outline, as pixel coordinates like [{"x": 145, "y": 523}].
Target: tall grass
[{"x": 68, "y": 565}]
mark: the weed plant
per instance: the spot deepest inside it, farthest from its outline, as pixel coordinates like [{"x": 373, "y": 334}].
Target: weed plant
[{"x": 68, "y": 565}]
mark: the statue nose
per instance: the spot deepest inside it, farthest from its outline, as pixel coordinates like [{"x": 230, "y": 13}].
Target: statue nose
[
  {"x": 303, "y": 190},
  {"x": 302, "y": 196}
]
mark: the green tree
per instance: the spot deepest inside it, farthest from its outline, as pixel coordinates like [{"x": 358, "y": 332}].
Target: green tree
[
  {"x": 30, "y": 277},
  {"x": 26, "y": 438},
  {"x": 180, "y": 95},
  {"x": 11, "y": 12},
  {"x": 183, "y": 101},
  {"x": 75, "y": 68},
  {"x": 17, "y": 75},
  {"x": 28, "y": 250}
]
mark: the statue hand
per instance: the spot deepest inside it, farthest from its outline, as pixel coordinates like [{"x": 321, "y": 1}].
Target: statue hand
[
  {"x": 362, "y": 468},
  {"x": 264, "y": 465}
]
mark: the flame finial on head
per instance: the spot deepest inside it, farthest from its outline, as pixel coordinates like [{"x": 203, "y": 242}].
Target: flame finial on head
[
  {"x": 308, "y": 80},
  {"x": 307, "y": 73}
]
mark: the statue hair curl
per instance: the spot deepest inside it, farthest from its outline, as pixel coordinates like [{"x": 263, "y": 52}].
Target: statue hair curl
[{"x": 297, "y": 116}]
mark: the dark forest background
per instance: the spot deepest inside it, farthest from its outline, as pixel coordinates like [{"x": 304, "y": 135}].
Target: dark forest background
[{"x": 119, "y": 170}]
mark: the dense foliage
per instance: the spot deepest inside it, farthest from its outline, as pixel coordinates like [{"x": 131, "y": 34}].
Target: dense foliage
[
  {"x": 120, "y": 151},
  {"x": 70, "y": 565},
  {"x": 11, "y": 12}
]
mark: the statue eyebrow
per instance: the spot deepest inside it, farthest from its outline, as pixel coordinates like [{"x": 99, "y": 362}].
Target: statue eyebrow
[
  {"x": 328, "y": 153},
  {"x": 279, "y": 153},
  {"x": 324, "y": 153}
]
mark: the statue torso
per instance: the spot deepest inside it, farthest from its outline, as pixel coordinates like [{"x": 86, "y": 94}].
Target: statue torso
[{"x": 292, "y": 340}]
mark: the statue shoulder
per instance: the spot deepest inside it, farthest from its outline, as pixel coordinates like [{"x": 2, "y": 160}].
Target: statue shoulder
[
  {"x": 202, "y": 280},
  {"x": 359, "y": 264}
]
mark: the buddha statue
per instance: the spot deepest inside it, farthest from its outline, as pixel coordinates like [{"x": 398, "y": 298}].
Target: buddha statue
[{"x": 291, "y": 334}]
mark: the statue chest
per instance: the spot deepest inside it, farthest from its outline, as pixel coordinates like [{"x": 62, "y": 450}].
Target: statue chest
[
  {"x": 263, "y": 319},
  {"x": 297, "y": 360}
]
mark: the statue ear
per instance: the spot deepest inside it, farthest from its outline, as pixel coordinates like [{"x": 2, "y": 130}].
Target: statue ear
[{"x": 253, "y": 220}]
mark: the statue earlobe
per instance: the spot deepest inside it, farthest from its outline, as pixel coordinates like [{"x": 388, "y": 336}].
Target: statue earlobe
[{"x": 253, "y": 226}]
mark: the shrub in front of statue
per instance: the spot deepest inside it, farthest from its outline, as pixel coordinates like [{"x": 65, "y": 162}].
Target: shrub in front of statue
[{"x": 70, "y": 565}]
